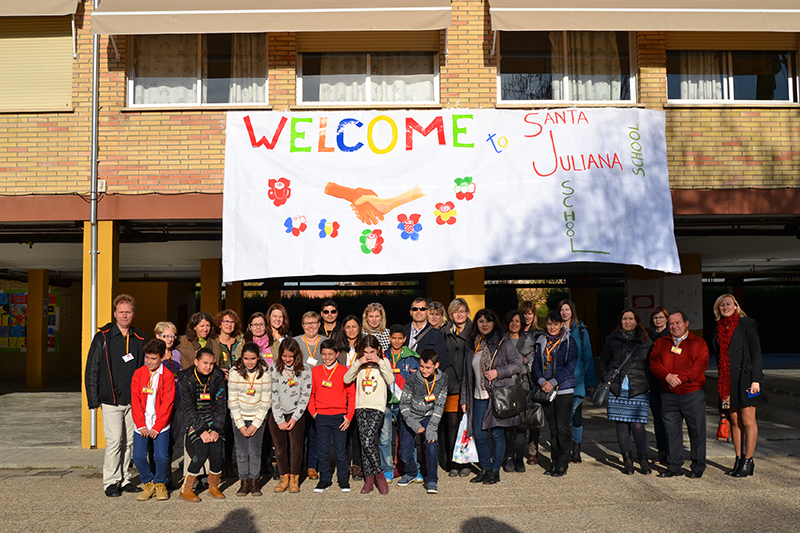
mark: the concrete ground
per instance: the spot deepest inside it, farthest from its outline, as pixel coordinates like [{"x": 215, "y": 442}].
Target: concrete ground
[{"x": 47, "y": 483}]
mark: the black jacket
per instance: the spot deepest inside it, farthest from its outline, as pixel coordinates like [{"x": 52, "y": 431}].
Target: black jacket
[
  {"x": 455, "y": 355},
  {"x": 108, "y": 375},
  {"x": 613, "y": 354},
  {"x": 747, "y": 365},
  {"x": 429, "y": 337},
  {"x": 219, "y": 401}
]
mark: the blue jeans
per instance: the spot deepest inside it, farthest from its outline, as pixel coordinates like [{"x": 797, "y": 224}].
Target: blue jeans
[
  {"x": 408, "y": 448},
  {"x": 327, "y": 431},
  {"x": 160, "y": 455},
  {"x": 490, "y": 457},
  {"x": 385, "y": 443}
]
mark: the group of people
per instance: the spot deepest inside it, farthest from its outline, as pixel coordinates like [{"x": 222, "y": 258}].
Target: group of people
[{"x": 384, "y": 398}]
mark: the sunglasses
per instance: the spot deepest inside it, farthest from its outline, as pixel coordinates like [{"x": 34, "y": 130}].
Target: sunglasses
[
  {"x": 329, "y": 312},
  {"x": 419, "y": 308}
]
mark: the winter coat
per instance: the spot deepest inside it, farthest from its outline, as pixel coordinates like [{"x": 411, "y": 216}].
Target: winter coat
[
  {"x": 164, "y": 401},
  {"x": 655, "y": 384},
  {"x": 747, "y": 365},
  {"x": 508, "y": 363},
  {"x": 415, "y": 408},
  {"x": 227, "y": 361},
  {"x": 566, "y": 359},
  {"x": 189, "y": 349},
  {"x": 613, "y": 354},
  {"x": 108, "y": 375},
  {"x": 455, "y": 355},
  {"x": 429, "y": 337},
  {"x": 219, "y": 401},
  {"x": 584, "y": 368}
]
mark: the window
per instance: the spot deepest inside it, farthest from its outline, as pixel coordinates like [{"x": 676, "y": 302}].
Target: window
[
  {"x": 174, "y": 70},
  {"x": 731, "y": 75},
  {"x": 592, "y": 66},
  {"x": 368, "y": 77}
]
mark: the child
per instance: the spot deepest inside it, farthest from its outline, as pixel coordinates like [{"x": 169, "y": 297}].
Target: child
[
  {"x": 371, "y": 374},
  {"x": 249, "y": 398},
  {"x": 421, "y": 409},
  {"x": 152, "y": 399},
  {"x": 204, "y": 402},
  {"x": 332, "y": 406},
  {"x": 291, "y": 390},
  {"x": 403, "y": 360}
]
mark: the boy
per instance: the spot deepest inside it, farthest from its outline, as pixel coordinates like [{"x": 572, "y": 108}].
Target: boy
[
  {"x": 333, "y": 405},
  {"x": 404, "y": 361},
  {"x": 152, "y": 399},
  {"x": 421, "y": 408}
]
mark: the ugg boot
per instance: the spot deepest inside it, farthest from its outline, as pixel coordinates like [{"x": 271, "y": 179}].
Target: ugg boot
[
  {"x": 283, "y": 485},
  {"x": 627, "y": 459},
  {"x": 187, "y": 490},
  {"x": 148, "y": 492},
  {"x": 213, "y": 486},
  {"x": 294, "y": 483}
]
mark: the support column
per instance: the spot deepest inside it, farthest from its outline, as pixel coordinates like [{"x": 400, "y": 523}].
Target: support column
[
  {"x": 439, "y": 287},
  {"x": 211, "y": 286},
  {"x": 36, "y": 341},
  {"x": 468, "y": 284},
  {"x": 234, "y": 299},
  {"x": 107, "y": 276}
]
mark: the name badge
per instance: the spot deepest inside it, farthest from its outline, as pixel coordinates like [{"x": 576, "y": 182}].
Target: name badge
[
  {"x": 291, "y": 382},
  {"x": 311, "y": 361},
  {"x": 430, "y": 397},
  {"x": 327, "y": 384},
  {"x": 205, "y": 396},
  {"x": 147, "y": 391},
  {"x": 368, "y": 382},
  {"x": 251, "y": 391},
  {"x": 127, "y": 357},
  {"x": 396, "y": 370},
  {"x": 676, "y": 350}
]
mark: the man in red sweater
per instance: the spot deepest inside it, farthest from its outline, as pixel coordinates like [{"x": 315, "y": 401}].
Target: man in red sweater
[
  {"x": 680, "y": 362},
  {"x": 332, "y": 404}
]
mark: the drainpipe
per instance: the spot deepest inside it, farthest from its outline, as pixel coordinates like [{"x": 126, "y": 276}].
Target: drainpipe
[{"x": 93, "y": 214}]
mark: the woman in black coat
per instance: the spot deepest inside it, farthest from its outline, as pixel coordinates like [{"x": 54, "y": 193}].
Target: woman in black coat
[
  {"x": 628, "y": 402},
  {"x": 740, "y": 376}
]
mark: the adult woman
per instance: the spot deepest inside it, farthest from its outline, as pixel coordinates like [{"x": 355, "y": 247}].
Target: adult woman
[
  {"x": 517, "y": 439},
  {"x": 490, "y": 362},
  {"x": 346, "y": 346},
  {"x": 167, "y": 332},
  {"x": 628, "y": 403},
  {"x": 584, "y": 371},
  {"x": 555, "y": 356},
  {"x": 277, "y": 326},
  {"x": 740, "y": 376},
  {"x": 658, "y": 328},
  {"x": 529, "y": 319},
  {"x": 437, "y": 315},
  {"x": 228, "y": 327},
  {"x": 199, "y": 334},
  {"x": 374, "y": 323},
  {"x": 258, "y": 332},
  {"x": 456, "y": 333}
]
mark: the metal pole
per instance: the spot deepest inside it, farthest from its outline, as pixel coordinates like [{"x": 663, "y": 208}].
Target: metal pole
[{"x": 93, "y": 214}]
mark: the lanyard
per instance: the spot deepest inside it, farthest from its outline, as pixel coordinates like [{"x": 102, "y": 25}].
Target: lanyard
[
  {"x": 369, "y": 370},
  {"x": 433, "y": 385},
  {"x": 329, "y": 376},
  {"x": 127, "y": 343},
  {"x": 477, "y": 348},
  {"x": 150, "y": 381},
  {"x": 325, "y": 328},
  {"x": 312, "y": 355},
  {"x": 200, "y": 382},
  {"x": 396, "y": 359},
  {"x": 351, "y": 356},
  {"x": 252, "y": 383}
]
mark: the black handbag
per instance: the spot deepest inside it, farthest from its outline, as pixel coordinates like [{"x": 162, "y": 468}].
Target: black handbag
[
  {"x": 600, "y": 394},
  {"x": 532, "y": 417},
  {"x": 511, "y": 400}
]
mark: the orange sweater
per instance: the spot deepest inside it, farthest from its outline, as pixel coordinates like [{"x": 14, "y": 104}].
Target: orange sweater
[{"x": 334, "y": 400}]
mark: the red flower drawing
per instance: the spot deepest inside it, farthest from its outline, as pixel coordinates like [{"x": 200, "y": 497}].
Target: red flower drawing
[
  {"x": 445, "y": 213},
  {"x": 279, "y": 191}
]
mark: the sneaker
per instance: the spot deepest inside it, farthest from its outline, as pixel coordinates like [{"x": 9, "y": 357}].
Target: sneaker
[
  {"x": 389, "y": 477},
  {"x": 344, "y": 486},
  {"x": 419, "y": 478},
  {"x": 322, "y": 486},
  {"x": 407, "y": 479},
  {"x": 432, "y": 488}
]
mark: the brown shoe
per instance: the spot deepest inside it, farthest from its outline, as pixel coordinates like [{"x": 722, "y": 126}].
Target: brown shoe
[
  {"x": 294, "y": 483},
  {"x": 283, "y": 485},
  {"x": 357, "y": 472},
  {"x": 148, "y": 492},
  {"x": 383, "y": 486},
  {"x": 532, "y": 459},
  {"x": 312, "y": 474},
  {"x": 213, "y": 486},
  {"x": 244, "y": 488},
  {"x": 369, "y": 482},
  {"x": 254, "y": 489},
  {"x": 162, "y": 493},
  {"x": 187, "y": 490}
]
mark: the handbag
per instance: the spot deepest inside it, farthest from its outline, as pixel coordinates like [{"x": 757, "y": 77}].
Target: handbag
[
  {"x": 532, "y": 417},
  {"x": 511, "y": 400},
  {"x": 600, "y": 394},
  {"x": 724, "y": 430},
  {"x": 464, "y": 451},
  {"x": 540, "y": 396}
]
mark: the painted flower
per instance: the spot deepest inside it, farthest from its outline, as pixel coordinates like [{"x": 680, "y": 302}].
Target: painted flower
[
  {"x": 295, "y": 225},
  {"x": 409, "y": 226},
  {"x": 465, "y": 189},
  {"x": 279, "y": 191},
  {"x": 328, "y": 229},
  {"x": 445, "y": 213},
  {"x": 371, "y": 241}
]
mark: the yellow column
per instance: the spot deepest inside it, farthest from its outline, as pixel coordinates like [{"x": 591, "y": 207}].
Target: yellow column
[
  {"x": 151, "y": 303},
  {"x": 107, "y": 276},
  {"x": 36, "y": 341},
  {"x": 439, "y": 287},
  {"x": 234, "y": 298},
  {"x": 211, "y": 286},
  {"x": 468, "y": 284}
]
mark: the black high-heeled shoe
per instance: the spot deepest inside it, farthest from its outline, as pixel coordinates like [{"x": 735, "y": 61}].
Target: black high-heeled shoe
[
  {"x": 746, "y": 468},
  {"x": 735, "y": 468}
]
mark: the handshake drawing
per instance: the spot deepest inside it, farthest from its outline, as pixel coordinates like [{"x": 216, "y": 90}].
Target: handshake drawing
[{"x": 365, "y": 203}]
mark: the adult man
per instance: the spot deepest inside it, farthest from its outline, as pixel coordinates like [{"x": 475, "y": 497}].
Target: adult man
[
  {"x": 116, "y": 352},
  {"x": 420, "y": 334},
  {"x": 329, "y": 327},
  {"x": 680, "y": 361}
]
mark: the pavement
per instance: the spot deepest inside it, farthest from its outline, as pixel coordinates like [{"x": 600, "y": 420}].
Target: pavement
[{"x": 48, "y": 483}]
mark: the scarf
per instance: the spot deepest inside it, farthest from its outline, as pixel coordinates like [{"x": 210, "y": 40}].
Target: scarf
[
  {"x": 725, "y": 329},
  {"x": 628, "y": 335},
  {"x": 486, "y": 360}
]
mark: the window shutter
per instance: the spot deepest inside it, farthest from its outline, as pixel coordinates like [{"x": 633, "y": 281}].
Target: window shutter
[
  {"x": 368, "y": 41},
  {"x": 733, "y": 40}
]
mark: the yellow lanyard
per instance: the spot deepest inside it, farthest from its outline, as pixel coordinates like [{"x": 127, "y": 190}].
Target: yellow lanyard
[
  {"x": 150, "y": 382},
  {"x": 433, "y": 385},
  {"x": 312, "y": 355},
  {"x": 200, "y": 382},
  {"x": 477, "y": 348},
  {"x": 329, "y": 376}
]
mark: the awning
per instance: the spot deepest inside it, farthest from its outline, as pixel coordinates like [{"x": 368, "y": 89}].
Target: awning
[
  {"x": 138, "y": 17},
  {"x": 646, "y": 15},
  {"x": 37, "y": 8}
]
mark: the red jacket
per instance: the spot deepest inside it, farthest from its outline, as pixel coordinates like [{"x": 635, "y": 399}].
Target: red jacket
[
  {"x": 165, "y": 398},
  {"x": 335, "y": 400},
  {"x": 690, "y": 365}
]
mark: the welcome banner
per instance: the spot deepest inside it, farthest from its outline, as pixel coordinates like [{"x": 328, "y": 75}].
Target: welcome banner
[{"x": 380, "y": 192}]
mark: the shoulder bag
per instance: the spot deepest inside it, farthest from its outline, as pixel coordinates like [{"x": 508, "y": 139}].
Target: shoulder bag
[
  {"x": 600, "y": 394},
  {"x": 511, "y": 400}
]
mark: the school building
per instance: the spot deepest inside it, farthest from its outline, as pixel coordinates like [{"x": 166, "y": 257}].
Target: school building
[{"x": 724, "y": 73}]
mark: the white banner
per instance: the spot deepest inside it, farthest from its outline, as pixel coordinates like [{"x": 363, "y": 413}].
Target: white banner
[{"x": 378, "y": 192}]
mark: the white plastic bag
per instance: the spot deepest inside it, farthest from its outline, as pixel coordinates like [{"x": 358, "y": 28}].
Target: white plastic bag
[{"x": 464, "y": 451}]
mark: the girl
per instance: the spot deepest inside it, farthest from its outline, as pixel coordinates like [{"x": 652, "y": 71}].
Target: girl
[
  {"x": 249, "y": 398},
  {"x": 346, "y": 346}
]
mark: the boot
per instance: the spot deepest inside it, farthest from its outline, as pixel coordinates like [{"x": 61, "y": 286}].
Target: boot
[
  {"x": 369, "y": 482},
  {"x": 383, "y": 486},
  {"x": 746, "y": 467},
  {"x": 162, "y": 493},
  {"x": 576, "y": 452},
  {"x": 644, "y": 463},
  {"x": 254, "y": 488},
  {"x": 283, "y": 485},
  {"x": 187, "y": 490},
  {"x": 294, "y": 483},
  {"x": 244, "y": 488},
  {"x": 735, "y": 468},
  {"x": 480, "y": 478},
  {"x": 213, "y": 486},
  {"x": 627, "y": 459},
  {"x": 148, "y": 492},
  {"x": 492, "y": 478}
]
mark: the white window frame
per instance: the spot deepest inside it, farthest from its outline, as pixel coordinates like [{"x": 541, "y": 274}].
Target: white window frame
[
  {"x": 199, "y": 81},
  {"x": 368, "y": 85},
  {"x": 565, "y": 80}
]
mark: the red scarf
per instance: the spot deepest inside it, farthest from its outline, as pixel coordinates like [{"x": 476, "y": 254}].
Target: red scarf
[{"x": 725, "y": 328}]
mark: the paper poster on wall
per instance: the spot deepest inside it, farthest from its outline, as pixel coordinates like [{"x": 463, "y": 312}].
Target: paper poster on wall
[
  {"x": 378, "y": 192},
  {"x": 643, "y": 297},
  {"x": 14, "y": 320},
  {"x": 685, "y": 293}
]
